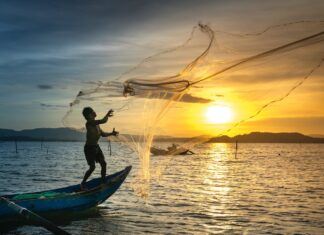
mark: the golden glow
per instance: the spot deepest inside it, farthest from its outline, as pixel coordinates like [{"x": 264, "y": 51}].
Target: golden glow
[{"x": 219, "y": 114}]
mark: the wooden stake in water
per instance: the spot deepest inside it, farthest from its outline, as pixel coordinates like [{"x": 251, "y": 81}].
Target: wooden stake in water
[
  {"x": 236, "y": 147},
  {"x": 109, "y": 146},
  {"x": 16, "y": 146}
]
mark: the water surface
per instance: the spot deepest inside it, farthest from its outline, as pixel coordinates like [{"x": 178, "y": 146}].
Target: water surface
[{"x": 267, "y": 189}]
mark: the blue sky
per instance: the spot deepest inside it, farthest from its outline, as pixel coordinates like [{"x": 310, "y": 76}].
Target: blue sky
[{"x": 49, "y": 49}]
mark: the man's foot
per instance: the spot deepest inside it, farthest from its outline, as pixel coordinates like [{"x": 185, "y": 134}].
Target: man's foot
[{"x": 83, "y": 187}]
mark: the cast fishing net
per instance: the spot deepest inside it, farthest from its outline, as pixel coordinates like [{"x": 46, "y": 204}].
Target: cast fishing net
[{"x": 167, "y": 94}]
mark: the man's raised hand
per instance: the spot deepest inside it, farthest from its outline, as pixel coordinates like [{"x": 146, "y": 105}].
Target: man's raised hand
[
  {"x": 115, "y": 133},
  {"x": 110, "y": 113}
]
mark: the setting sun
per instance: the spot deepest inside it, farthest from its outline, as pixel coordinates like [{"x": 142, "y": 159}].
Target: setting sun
[{"x": 219, "y": 114}]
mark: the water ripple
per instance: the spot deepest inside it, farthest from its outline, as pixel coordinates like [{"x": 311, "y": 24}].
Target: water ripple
[{"x": 211, "y": 192}]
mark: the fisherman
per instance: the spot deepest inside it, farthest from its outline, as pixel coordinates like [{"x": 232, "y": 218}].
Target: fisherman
[
  {"x": 172, "y": 148},
  {"x": 92, "y": 150}
]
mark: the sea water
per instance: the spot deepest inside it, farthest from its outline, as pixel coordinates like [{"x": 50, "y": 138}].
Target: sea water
[{"x": 265, "y": 189}]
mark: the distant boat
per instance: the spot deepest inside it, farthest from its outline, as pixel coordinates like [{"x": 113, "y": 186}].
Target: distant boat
[
  {"x": 171, "y": 151},
  {"x": 58, "y": 202}
]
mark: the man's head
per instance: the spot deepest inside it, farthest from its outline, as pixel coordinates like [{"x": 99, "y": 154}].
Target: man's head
[{"x": 88, "y": 113}]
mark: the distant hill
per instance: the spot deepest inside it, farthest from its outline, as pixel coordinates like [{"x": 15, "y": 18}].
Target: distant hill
[
  {"x": 67, "y": 134},
  {"x": 317, "y": 136},
  {"x": 48, "y": 134},
  {"x": 267, "y": 137}
]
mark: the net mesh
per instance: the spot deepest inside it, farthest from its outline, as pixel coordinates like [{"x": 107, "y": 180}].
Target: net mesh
[{"x": 248, "y": 72}]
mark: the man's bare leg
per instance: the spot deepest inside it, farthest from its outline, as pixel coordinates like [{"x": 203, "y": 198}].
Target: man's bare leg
[{"x": 86, "y": 176}]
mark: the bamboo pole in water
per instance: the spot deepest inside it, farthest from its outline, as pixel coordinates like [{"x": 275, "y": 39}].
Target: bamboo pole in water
[
  {"x": 32, "y": 217},
  {"x": 236, "y": 147},
  {"x": 16, "y": 146},
  {"x": 109, "y": 146}
]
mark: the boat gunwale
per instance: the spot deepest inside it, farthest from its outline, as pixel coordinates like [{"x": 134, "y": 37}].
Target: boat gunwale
[{"x": 81, "y": 193}]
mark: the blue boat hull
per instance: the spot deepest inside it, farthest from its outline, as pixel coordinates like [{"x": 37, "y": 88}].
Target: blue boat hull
[{"x": 65, "y": 200}]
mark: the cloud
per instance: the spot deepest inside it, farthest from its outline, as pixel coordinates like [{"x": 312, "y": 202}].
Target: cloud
[
  {"x": 186, "y": 98},
  {"x": 194, "y": 99},
  {"x": 45, "y": 87},
  {"x": 43, "y": 105}
]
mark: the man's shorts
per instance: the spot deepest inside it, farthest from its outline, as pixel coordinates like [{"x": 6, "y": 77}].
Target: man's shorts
[{"x": 93, "y": 154}]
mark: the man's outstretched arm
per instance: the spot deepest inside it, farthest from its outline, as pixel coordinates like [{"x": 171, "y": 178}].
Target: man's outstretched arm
[
  {"x": 104, "y": 119},
  {"x": 106, "y": 134}
]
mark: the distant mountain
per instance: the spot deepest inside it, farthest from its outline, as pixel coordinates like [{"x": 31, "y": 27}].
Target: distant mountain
[
  {"x": 267, "y": 137},
  {"x": 317, "y": 136},
  {"x": 48, "y": 134},
  {"x": 67, "y": 134}
]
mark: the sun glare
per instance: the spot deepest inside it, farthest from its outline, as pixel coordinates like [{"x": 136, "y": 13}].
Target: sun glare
[{"x": 219, "y": 114}]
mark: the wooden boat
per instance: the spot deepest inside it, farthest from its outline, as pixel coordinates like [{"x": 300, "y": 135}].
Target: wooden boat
[
  {"x": 65, "y": 200},
  {"x": 158, "y": 151},
  {"x": 178, "y": 151}
]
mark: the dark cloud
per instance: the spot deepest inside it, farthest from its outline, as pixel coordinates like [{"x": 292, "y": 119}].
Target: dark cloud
[
  {"x": 47, "y": 25},
  {"x": 43, "y": 105},
  {"x": 194, "y": 99},
  {"x": 45, "y": 87},
  {"x": 57, "y": 38},
  {"x": 38, "y": 37}
]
